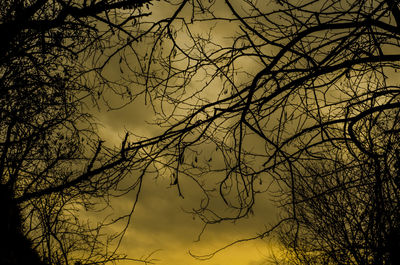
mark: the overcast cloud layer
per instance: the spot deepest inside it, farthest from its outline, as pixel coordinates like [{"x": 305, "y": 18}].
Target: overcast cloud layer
[{"x": 159, "y": 223}]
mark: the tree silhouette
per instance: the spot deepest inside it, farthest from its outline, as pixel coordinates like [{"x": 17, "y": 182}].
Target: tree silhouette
[
  {"x": 16, "y": 247},
  {"x": 54, "y": 59},
  {"x": 301, "y": 97},
  {"x": 345, "y": 211}
]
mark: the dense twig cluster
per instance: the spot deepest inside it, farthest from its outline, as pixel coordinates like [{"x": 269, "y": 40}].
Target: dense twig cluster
[
  {"x": 53, "y": 165},
  {"x": 303, "y": 96},
  {"x": 297, "y": 99}
]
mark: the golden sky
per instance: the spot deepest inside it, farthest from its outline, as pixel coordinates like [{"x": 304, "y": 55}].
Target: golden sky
[
  {"x": 160, "y": 226},
  {"x": 159, "y": 223}
]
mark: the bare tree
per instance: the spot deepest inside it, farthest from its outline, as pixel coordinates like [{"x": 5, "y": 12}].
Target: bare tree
[
  {"x": 303, "y": 96},
  {"x": 53, "y": 165},
  {"x": 297, "y": 83},
  {"x": 345, "y": 211}
]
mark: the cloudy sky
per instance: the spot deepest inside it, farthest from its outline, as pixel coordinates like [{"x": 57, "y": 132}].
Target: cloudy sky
[
  {"x": 160, "y": 226},
  {"x": 160, "y": 223}
]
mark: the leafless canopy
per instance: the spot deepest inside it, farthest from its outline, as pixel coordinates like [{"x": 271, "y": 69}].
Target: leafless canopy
[
  {"x": 300, "y": 96},
  {"x": 54, "y": 168},
  {"x": 297, "y": 99}
]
